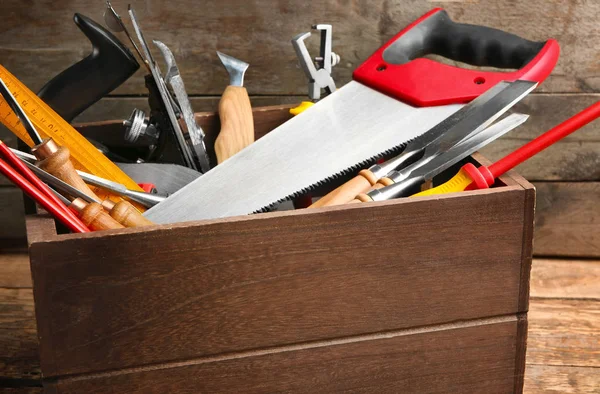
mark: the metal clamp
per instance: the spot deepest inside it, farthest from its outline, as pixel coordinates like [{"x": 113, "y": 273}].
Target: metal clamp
[{"x": 317, "y": 78}]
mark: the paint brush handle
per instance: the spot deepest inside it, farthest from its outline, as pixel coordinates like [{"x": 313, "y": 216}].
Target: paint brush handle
[{"x": 237, "y": 124}]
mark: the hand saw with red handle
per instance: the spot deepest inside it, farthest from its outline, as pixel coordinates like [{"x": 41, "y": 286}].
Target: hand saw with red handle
[{"x": 395, "y": 96}]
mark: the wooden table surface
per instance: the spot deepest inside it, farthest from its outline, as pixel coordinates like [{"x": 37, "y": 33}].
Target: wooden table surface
[{"x": 563, "y": 352}]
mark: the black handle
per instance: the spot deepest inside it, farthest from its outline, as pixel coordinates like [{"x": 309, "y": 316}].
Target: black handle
[
  {"x": 471, "y": 44},
  {"x": 87, "y": 81}
]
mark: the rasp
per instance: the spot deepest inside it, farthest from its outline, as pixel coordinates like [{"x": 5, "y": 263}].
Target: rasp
[{"x": 395, "y": 96}]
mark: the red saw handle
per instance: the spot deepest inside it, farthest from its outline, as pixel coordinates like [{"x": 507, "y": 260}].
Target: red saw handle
[{"x": 398, "y": 68}]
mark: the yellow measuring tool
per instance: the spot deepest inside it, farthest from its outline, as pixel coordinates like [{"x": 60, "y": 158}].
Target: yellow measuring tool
[{"x": 49, "y": 124}]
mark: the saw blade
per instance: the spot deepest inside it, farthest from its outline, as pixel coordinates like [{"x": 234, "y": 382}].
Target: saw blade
[{"x": 347, "y": 128}]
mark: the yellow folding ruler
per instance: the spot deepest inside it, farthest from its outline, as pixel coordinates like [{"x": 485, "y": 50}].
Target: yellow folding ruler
[{"x": 49, "y": 124}]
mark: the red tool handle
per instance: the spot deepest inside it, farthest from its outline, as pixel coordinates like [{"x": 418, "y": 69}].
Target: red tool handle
[
  {"x": 400, "y": 70},
  {"x": 485, "y": 176},
  {"x": 41, "y": 186},
  {"x": 40, "y": 197}
]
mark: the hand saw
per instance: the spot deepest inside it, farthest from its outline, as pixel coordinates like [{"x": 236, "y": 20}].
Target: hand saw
[{"x": 395, "y": 96}]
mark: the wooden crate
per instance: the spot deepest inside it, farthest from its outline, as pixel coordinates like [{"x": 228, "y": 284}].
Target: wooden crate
[{"x": 413, "y": 295}]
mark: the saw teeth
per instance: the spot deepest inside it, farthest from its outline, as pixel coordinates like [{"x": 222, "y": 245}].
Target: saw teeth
[{"x": 355, "y": 168}]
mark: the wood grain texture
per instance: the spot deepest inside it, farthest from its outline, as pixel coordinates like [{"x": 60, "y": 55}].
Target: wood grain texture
[
  {"x": 566, "y": 279},
  {"x": 14, "y": 270},
  {"x": 470, "y": 360},
  {"x": 18, "y": 341},
  {"x": 44, "y": 40},
  {"x": 564, "y": 332},
  {"x": 566, "y": 220},
  {"x": 308, "y": 275},
  {"x": 552, "y": 379},
  {"x": 237, "y": 125}
]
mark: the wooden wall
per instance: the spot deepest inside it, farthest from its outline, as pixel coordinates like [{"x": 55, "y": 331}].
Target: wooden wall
[{"x": 40, "y": 40}]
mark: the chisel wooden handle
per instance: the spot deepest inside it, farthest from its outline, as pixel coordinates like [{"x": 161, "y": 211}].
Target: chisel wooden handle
[
  {"x": 126, "y": 214},
  {"x": 94, "y": 216},
  {"x": 348, "y": 191},
  {"x": 55, "y": 160},
  {"x": 237, "y": 125}
]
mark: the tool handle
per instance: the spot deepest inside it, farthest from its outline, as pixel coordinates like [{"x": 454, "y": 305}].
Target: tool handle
[
  {"x": 41, "y": 186},
  {"x": 55, "y": 160},
  {"x": 303, "y": 106},
  {"x": 457, "y": 183},
  {"x": 41, "y": 198},
  {"x": 400, "y": 70},
  {"x": 87, "y": 81},
  {"x": 126, "y": 214},
  {"x": 94, "y": 216},
  {"x": 348, "y": 191},
  {"x": 545, "y": 140},
  {"x": 237, "y": 125}
]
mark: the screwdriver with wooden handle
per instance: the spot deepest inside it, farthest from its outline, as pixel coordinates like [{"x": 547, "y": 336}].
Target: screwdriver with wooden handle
[
  {"x": 471, "y": 178},
  {"x": 91, "y": 214},
  {"x": 122, "y": 212},
  {"x": 235, "y": 112},
  {"x": 62, "y": 137}
]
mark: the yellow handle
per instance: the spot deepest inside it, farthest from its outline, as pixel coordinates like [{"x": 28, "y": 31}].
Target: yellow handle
[
  {"x": 301, "y": 108},
  {"x": 458, "y": 183}
]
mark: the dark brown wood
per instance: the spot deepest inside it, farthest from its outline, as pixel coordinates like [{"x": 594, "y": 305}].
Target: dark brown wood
[
  {"x": 18, "y": 341},
  {"x": 469, "y": 359},
  {"x": 520, "y": 353},
  {"x": 274, "y": 279},
  {"x": 45, "y": 41},
  {"x": 11, "y": 216},
  {"x": 567, "y": 217}
]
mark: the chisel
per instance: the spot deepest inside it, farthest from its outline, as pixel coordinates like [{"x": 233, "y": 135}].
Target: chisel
[
  {"x": 235, "y": 112},
  {"x": 417, "y": 173},
  {"x": 123, "y": 212},
  {"x": 62, "y": 137},
  {"x": 91, "y": 214},
  {"x": 470, "y": 177}
]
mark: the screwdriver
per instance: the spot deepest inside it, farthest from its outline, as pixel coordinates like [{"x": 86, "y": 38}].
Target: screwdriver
[
  {"x": 123, "y": 212},
  {"x": 53, "y": 158},
  {"x": 49, "y": 124},
  {"x": 91, "y": 214},
  {"x": 19, "y": 174},
  {"x": 146, "y": 199},
  {"x": 471, "y": 178}
]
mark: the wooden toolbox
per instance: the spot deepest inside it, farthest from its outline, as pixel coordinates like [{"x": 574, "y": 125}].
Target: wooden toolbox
[{"x": 412, "y": 295}]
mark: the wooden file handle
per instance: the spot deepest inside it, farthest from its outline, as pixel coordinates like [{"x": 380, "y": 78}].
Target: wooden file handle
[
  {"x": 348, "y": 191},
  {"x": 94, "y": 216},
  {"x": 55, "y": 160},
  {"x": 237, "y": 125},
  {"x": 125, "y": 213}
]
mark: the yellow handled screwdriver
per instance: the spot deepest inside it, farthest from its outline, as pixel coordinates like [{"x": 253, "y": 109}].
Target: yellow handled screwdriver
[{"x": 470, "y": 177}]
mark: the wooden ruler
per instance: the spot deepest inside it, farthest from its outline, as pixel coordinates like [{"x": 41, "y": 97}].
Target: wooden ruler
[{"x": 49, "y": 124}]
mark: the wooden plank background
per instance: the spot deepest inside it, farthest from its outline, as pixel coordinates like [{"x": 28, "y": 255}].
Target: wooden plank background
[{"x": 41, "y": 40}]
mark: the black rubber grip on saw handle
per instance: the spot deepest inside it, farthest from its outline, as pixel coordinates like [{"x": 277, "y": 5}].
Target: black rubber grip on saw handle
[
  {"x": 87, "y": 81},
  {"x": 476, "y": 45}
]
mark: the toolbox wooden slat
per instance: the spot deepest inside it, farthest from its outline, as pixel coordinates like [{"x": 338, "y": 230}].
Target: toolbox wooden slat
[
  {"x": 476, "y": 358},
  {"x": 369, "y": 297}
]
